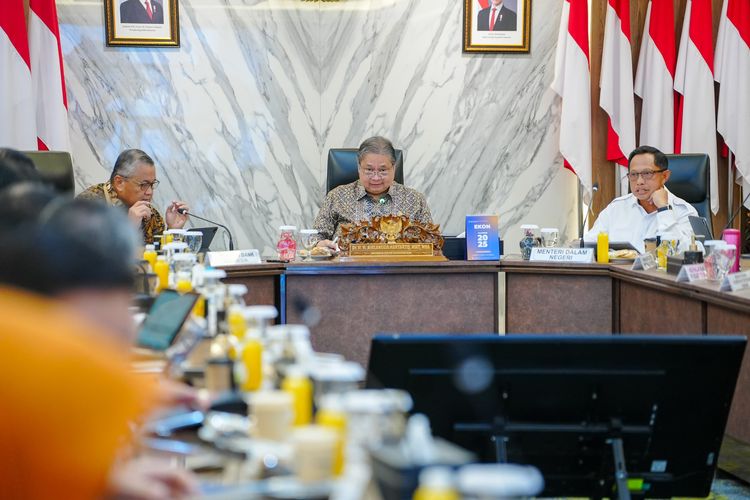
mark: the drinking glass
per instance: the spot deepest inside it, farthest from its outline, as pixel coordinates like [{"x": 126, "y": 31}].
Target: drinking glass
[
  {"x": 194, "y": 240},
  {"x": 549, "y": 236},
  {"x": 309, "y": 240}
]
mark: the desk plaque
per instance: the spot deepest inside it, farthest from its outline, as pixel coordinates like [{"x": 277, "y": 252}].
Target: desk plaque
[{"x": 391, "y": 237}]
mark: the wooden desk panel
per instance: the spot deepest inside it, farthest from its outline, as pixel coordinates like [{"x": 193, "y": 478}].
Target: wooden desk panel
[
  {"x": 557, "y": 303},
  {"x": 646, "y": 310},
  {"x": 262, "y": 282},
  {"x": 358, "y": 301},
  {"x": 725, "y": 321}
]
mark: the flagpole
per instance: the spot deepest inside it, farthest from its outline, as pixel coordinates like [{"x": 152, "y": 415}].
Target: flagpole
[{"x": 730, "y": 184}]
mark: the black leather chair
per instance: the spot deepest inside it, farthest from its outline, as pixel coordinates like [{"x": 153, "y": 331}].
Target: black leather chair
[
  {"x": 56, "y": 168},
  {"x": 690, "y": 181},
  {"x": 342, "y": 167}
]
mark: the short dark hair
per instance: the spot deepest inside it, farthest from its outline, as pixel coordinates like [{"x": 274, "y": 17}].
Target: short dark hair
[
  {"x": 73, "y": 244},
  {"x": 23, "y": 202},
  {"x": 660, "y": 159},
  {"x": 16, "y": 167},
  {"x": 127, "y": 161},
  {"x": 376, "y": 145}
]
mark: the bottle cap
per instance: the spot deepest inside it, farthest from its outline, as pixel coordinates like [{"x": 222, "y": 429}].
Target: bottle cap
[
  {"x": 287, "y": 228},
  {"x": 436, "y": 478},
  {"x": 150, "y": 248},
  {"x": 261, "y": 312},
  {"x": 499, "y": 481},
  {"x": 308, "y": 231},
  {"x": 237, "y": 290},
  {"x": 161, "y": 258}
]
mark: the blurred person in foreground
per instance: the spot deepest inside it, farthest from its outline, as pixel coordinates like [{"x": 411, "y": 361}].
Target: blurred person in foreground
[
  {"x": 16, "y": 167},
  {"x": 131, "y": 185},
  {"x": 375, "y": 193},
  {"x": 69, "y": 396}
]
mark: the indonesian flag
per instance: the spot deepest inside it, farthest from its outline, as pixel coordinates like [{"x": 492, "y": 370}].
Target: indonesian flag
[
  {"x": 732, "y": 71},
  {"x": 694, "y": 80},
  {"x": 572, "y": 84},
  {"x": 17, "y": 123},
  {"x": 616, "y": 82},
  {"x": 654, "y": 78},
  {"x": 48, "y": 77}
]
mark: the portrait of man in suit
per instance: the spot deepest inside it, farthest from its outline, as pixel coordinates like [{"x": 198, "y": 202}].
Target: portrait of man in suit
[
  {"x": 496, "y": 17},
  {"x": 142, "y": 12}
]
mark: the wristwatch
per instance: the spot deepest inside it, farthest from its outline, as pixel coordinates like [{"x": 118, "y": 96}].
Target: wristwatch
[{"x": 664, "y": 208}]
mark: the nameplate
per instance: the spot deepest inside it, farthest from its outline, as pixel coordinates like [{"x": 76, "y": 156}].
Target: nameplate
[
  {"x": 233, "y": 258},
  {"x": 577, "y": 255},
  {"x": 481, "y": 237},
  {"x": 390, "y": 249},
  {"x": 692, "y": 272},
  {"x": 736, "y": 282},
  {"x": 644, "y": 261}
]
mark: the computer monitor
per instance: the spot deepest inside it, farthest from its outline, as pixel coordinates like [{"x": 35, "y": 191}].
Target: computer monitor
[{"x": 566, "y": 403}]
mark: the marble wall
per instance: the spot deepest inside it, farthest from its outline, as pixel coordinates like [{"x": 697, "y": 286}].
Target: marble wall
[{"x": 240, "y": 118}]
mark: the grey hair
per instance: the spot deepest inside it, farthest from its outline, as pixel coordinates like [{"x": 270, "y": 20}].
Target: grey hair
[
  {"x": 376, "y": 145},
  {"x": 128, "y": 161}
]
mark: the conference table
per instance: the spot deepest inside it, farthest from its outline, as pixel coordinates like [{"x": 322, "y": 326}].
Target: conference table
[{"x": 345, "y": 304}]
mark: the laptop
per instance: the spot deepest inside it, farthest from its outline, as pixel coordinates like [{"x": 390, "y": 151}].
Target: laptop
[
  {"x": 208, "y": 236},
  {"x": 700, "y": 227},
  {"x": 165, "y": 319}
]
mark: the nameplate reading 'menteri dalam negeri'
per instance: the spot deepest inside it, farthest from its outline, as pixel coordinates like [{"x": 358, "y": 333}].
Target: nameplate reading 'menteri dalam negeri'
[{"x": 577, "y": 255}]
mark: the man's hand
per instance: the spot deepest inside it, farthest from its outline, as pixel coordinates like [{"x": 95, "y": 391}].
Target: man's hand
[
  {"x": 176, "y": 220},
  {"x": 659, "y": 198},
  {"x": 140, "y": 211},
  {"x": 150, "y": 479}
]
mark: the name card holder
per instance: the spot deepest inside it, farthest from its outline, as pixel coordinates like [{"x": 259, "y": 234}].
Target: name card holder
[
  {"x": 575, "y": 255},
  {"x": 692, "y": 272},
  {"x": 644, "y": 261},
  {"x": 736, "y": 282},
  {"x": 233, "y": 258}
]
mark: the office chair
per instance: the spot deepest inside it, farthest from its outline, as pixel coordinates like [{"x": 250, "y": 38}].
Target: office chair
[
  {"x": 342, "y": 167},
  {"x": 689, "y": 180},
  {"x": 56, "y": 169}
]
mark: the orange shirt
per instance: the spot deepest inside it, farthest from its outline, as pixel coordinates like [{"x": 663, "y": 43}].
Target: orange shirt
[{"x": 66, "y": 399}]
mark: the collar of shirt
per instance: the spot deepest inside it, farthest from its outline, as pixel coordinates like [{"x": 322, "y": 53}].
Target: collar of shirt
[
  {"x": 361, "y": 193},
  {"x": 111, "y": 195}
]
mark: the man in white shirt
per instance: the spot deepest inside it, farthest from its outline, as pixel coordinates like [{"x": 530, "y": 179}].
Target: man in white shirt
[{"x": 650, "y": 210}]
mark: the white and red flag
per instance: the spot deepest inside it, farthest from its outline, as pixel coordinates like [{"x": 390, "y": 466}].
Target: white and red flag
[
  {"x": 572, "y": 83},
  {"x": 695, "y": 131},
  {"x": 17, "y": 116},
  {"x": 616, "y": 84},
  {"x": 732, "y": 71},
  {"x": 654, "y": 78},
  {"x": 48, "y": 76}
]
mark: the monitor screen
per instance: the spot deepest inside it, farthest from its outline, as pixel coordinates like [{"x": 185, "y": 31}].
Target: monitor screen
[
  {"x": 165, "y": 318},
  {"x": 557, "y": 402}
]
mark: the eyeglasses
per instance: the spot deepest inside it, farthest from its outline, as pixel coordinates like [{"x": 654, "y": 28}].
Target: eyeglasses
[
  {"x": 371, "y": 172},
  {"x": 646, "y": 174},
  {"x": 143, "y": 186}
]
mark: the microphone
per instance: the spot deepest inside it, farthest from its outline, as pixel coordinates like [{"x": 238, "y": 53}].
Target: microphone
[
  {"x": 594, "y": 189},
  {"x": 231, "y": 242},
  {"x": 731, "y": 219}
]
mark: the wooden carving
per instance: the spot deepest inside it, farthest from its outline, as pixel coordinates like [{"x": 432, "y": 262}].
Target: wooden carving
[{"x": 390, "y": 229}]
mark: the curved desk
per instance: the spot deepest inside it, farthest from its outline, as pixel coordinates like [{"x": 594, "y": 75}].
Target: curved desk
[{"x": 358, "y": 300}]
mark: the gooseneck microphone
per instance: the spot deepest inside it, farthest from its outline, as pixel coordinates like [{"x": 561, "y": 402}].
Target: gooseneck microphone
[
  {"x": 231, "y": 241},
  {"x": 739, "y": 209},
  {"x": 594, "y": 189}
]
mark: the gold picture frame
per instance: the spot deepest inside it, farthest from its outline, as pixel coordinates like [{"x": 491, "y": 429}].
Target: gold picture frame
[
  {"x": 142, "y": 23},
  {"x": 510, "y": 29}
]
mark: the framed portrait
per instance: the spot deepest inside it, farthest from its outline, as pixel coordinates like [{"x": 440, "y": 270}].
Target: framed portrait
[
  {"x": 144, "y": 23},
  {"x": 497, "y": 25}
]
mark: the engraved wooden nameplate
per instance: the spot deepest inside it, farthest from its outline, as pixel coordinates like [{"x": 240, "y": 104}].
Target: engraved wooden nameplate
[{"x": 391, "y": 238}]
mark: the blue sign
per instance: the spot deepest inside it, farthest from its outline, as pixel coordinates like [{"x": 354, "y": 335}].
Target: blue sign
[{"x": 482, "y": 237}]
